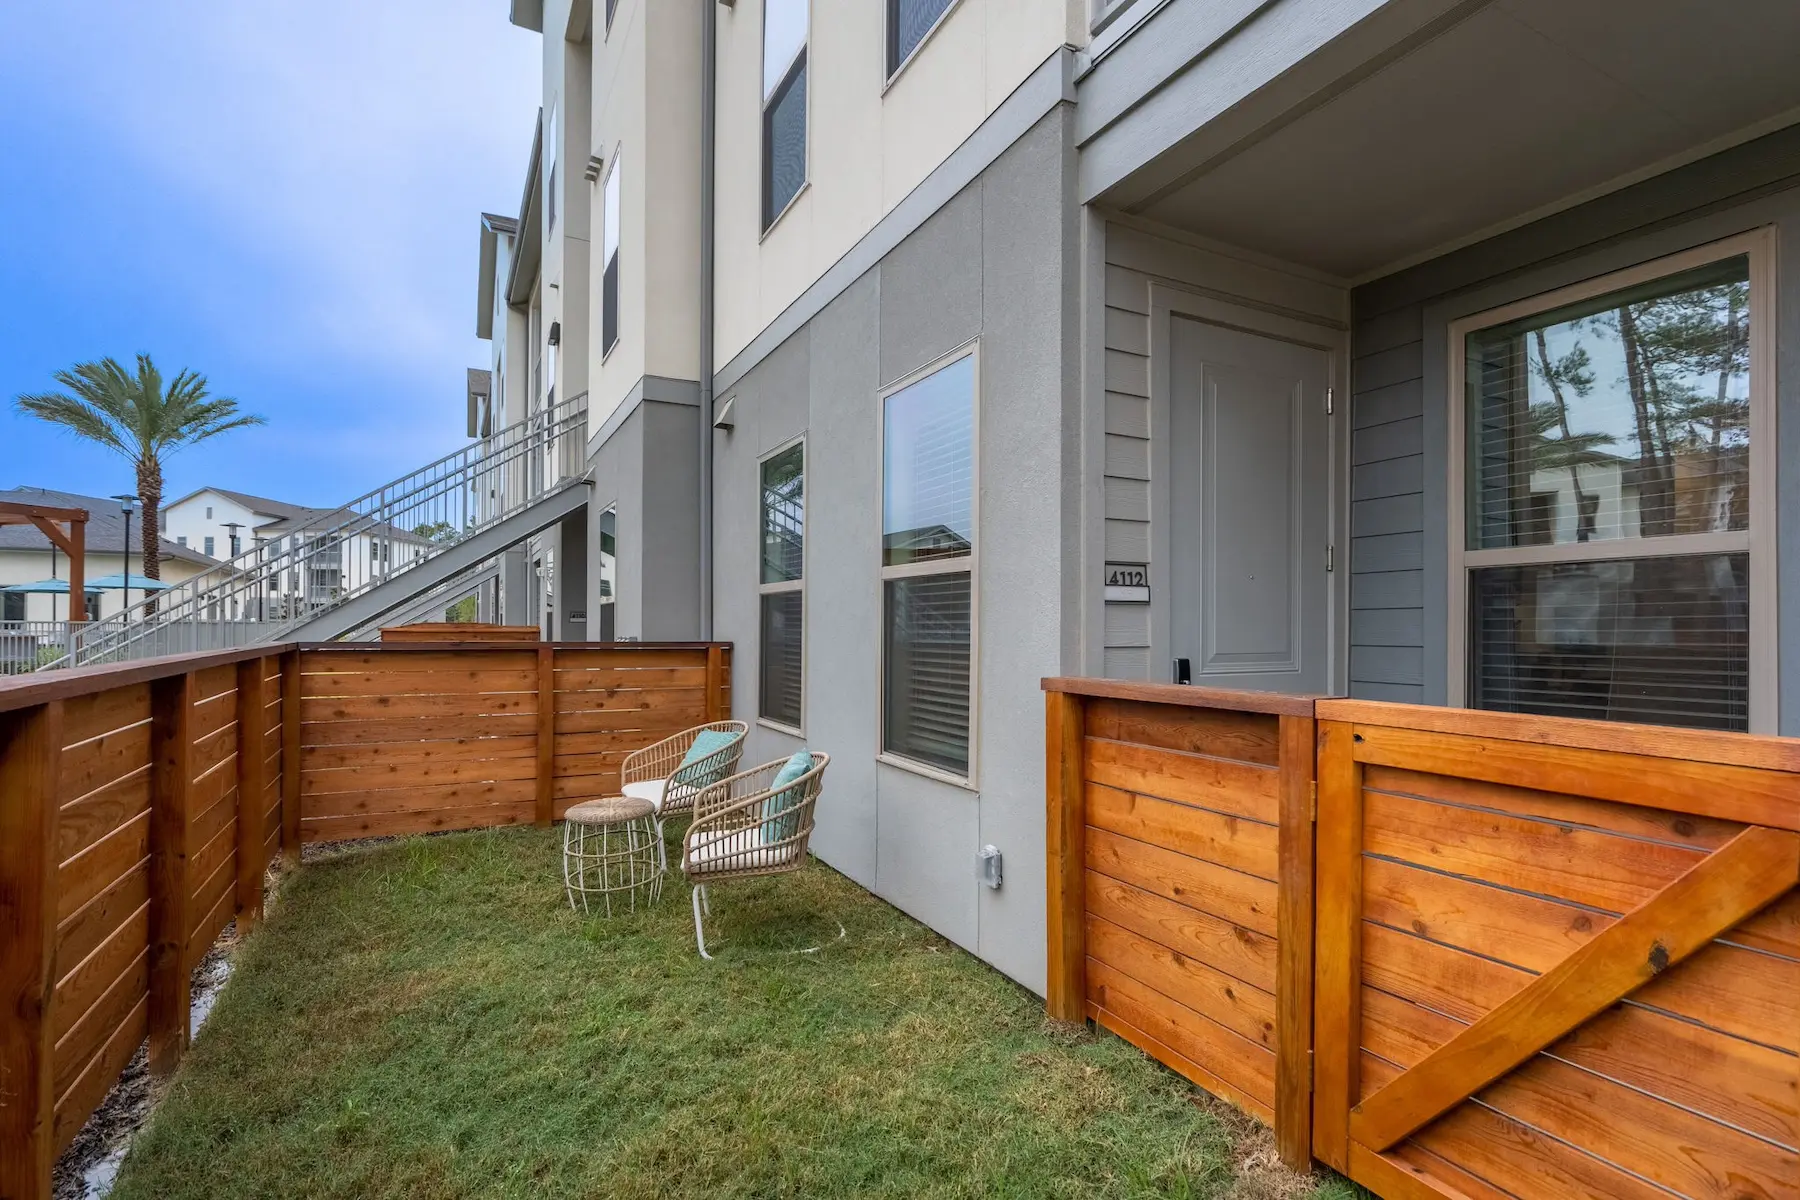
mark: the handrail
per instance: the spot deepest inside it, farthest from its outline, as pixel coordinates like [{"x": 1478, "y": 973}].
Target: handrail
[{"x": 279, "y": 584}]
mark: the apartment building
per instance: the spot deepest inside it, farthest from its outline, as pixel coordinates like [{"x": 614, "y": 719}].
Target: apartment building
[
  {"x": 227, "y": 525},
  {"x": 28, "y": 557},
  {"x": 1425, "y": 351}
]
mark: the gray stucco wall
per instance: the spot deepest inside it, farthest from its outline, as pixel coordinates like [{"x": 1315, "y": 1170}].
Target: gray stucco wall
[
  {"x": 1400, "y": 448},
  {"x": 649, "y": 467},
  {"x": 996, "y": 262}
]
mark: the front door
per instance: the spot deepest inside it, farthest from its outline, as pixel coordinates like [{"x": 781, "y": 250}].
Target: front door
[{"x": 1250, "y": 477}]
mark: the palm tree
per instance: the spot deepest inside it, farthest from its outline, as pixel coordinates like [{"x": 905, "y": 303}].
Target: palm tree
[{"x": 142, "y": 417}]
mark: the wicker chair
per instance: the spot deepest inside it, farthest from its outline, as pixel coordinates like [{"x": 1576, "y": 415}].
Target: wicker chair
[
  {"x": 655, "y": 773},
  {"x": 744, "y": 827}
]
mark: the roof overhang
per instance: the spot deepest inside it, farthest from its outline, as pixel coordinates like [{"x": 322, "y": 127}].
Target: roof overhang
[
  {"x": 493, "y": 228},
  {"x": 527, "y": 14}
]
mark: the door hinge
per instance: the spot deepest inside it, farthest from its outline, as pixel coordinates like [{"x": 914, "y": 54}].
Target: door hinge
[
  {"x": 1330, "y": 558},
  {"x": 1330, "y": 401}
]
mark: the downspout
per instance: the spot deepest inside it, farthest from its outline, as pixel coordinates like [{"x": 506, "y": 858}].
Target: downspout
[{"x": 709, "y": 37}]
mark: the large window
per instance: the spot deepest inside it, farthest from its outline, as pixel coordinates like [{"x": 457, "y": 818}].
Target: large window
[
  {"x": 1609, "y": 496},
  {"x": 928, "y": 566},
  {"x": 783, "y": 602},
  {"x": 784, "y": 104},
  {"x": 609, "y": 255},
  {"x": 908, "y": 23}
]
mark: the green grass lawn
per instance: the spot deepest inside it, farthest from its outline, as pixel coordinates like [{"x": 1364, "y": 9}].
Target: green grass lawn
[{"x": 428, "y": 1019}]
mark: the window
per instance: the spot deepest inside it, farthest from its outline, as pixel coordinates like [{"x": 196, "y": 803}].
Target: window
[
  {"x": 609, "y": 575},
  {"x": 209, "y": 512},
  {"x": 909, "y": 21},
  {"x": 610, "y": 6},
  {"x": 1604, "y": 567},
  {"x": 784, "y": 104},
  {"x": 783, "y": 643},
  {"x": 550, "y": 169},
  {"x": 182, "y": 540},
  {"x": 928, "y": 566},
  {"x": 14, "y": 606},
  {"x": 208, "y": 545},
  {"x": 609, "y": 252}
]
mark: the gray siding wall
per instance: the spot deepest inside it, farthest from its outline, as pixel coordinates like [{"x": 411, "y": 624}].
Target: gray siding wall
[
  {"x": 649, "y": 467},
  {"x": 1387, "y": 499},
  {"x": 1399, "y": 477},
  {"x": 995, "y": 262}
]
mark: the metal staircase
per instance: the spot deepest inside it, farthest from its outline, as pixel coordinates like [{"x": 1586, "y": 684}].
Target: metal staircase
[{"x": 346, "y": 569}]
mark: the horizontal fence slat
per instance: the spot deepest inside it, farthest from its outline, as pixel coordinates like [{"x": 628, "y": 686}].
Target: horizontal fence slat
[
  {"x": 418, "y": 799},
  {"x": 388, "y": 708},
  {"x": 1247, "y": 1067},
  {"x": 1236, "y": 951},
  {"x": 1248, "y": 737},
  {"x": 318, "y": 758},
  {"x": 1246, "y": 846},
  {"x": 99, "y": 866},
  {"x": 430, "y": 772},
  {"x": 473, "y": 682},
  {"x": 83, "y": 822},
  {"x": 103, "y": 760},
  {"x": 89, "y": 1032},
  {"x": 91, "y": 716},
  {"x": 1247, "y": 1011},
  {"x": 387, "y": 731},
  {"x": 333, "y": 829},
  {"x": 78, "y": 935},
  {"x": 1220, "y": 784},
  {"x": 84, "y": 1095},
  {"x": 1244, "y": 899}
]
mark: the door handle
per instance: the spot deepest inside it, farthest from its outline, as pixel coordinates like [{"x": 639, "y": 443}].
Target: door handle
[{"x": 1183, "y": 671}]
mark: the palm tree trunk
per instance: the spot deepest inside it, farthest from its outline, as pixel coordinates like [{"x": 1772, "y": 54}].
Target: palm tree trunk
[{"x": 150, "y": 486}]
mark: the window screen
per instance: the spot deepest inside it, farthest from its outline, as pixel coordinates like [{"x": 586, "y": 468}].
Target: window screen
[
  {"x": 609, "y": 274},
  {"x": 908, "y": 23},
  {"x": 784, "y": 104}
]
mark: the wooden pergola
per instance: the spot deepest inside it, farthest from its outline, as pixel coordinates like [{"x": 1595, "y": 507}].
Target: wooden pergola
[{"x": 67, "y": 529}]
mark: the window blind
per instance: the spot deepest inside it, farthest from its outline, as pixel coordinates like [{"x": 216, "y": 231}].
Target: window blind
[
  {"x": 926, "y": 715},
  {"x": 782, "y": 616},
  {"x": 1657, "y": 640}
]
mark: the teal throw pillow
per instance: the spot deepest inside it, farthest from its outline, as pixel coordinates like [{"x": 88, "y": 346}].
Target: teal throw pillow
[
  {"x": 784, "y": 822},
  {"x": 708, "y": 743}
]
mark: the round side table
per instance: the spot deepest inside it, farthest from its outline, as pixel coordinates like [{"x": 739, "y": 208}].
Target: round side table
[{"x": 610, "y": 848}]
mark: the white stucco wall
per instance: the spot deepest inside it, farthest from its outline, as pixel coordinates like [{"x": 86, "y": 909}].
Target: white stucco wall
[{"x": 870, "y": 141}]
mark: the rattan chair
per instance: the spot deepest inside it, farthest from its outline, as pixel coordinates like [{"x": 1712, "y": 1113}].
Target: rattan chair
[
  {"x": 655, "y": 773},
  {"x": 744, "y": 827}
]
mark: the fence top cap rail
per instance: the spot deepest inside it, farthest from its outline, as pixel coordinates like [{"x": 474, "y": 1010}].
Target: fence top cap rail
[
  {"x": 25, "y": 691},
  {"x": 1278, "y": 704},
  {"x": 1653, "y": 741},
  {"x": 475, "y": 647}
]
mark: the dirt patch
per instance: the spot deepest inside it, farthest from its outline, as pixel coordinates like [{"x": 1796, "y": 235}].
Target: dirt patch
[{"x": 1256, "y": 1169}]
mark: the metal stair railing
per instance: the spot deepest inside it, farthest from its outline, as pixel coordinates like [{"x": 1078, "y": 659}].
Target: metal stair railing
[{"x": 295, "y": 574}]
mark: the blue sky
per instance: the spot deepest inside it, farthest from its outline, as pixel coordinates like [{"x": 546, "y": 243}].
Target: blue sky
[{"x": 282, "y": 194}]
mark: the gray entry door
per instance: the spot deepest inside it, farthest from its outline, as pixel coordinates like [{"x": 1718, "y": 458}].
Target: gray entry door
[{"x": 1249, "y": 482}]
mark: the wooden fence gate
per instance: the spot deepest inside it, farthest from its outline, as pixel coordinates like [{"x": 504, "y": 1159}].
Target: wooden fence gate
[
  {"x": 1524, "y": 958},
  {"x": 1555, "y": 958}
]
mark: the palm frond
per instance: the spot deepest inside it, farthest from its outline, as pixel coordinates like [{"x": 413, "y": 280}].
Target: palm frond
[{"x": 78, "y": 415}]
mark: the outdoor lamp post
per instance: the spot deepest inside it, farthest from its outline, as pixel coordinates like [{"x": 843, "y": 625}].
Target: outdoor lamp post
[{"x": 127, "y": 501}]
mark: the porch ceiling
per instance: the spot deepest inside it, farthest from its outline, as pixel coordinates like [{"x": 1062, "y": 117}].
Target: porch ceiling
[{"x": 1521, "y": 106}]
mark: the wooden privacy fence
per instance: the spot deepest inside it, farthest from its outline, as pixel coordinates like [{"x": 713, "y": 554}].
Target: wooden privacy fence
[
  {"x": 140, "y": 806},
  {"x": 1537, "y": 958}
]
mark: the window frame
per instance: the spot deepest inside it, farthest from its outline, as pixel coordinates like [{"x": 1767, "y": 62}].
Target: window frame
[
  {"x": 552, "y": 158},
  {"x": 783, "y": 586},
  {"x": 891, "y": 70},
  {"x": 969, "y": 564},
  {"x": 765, "y": 165},
  {"x": 1758, "y": 541},
  {"x": 618, "y": 238}
]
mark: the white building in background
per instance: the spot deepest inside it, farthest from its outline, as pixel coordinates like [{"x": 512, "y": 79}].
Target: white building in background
[
  {"x": 225, "y": 523},
  {"x": 27, "y": 556}
]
